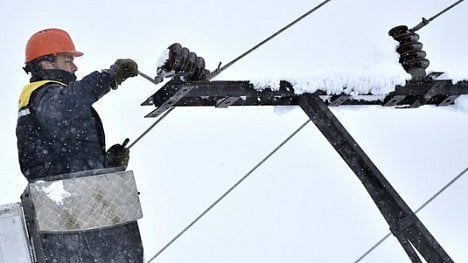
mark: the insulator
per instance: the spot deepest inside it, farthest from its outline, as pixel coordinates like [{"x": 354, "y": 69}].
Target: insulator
[
  {"x": 412, "y": 57},
  {"x": 182, "y": 61}
]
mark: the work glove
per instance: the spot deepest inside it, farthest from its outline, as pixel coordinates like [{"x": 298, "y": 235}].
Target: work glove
[
  {"x": 118, "y": 155},
  {"x": 122, "y": 69}
]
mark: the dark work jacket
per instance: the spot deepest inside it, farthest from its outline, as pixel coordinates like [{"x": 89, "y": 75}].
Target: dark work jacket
[{"x": 58, "y": 131}]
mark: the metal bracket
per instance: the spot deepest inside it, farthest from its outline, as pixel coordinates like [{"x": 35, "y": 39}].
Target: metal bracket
[
  {"x": 340, "y": 100},
  {"x": 226, "y": 102},
  {"x": 180, "y": 92},
  {"x": 395, "y": 100},
  {"x": 433, "y": 91},
  {"x": 449, "y": 100}
]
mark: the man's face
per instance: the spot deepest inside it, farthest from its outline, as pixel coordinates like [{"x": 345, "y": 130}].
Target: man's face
[{"x": 63, "y": 62}]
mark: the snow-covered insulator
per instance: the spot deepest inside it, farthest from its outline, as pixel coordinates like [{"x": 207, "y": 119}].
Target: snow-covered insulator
[
  {"x": 182, "y": 60},
  {"x": 412, "y": 57}
]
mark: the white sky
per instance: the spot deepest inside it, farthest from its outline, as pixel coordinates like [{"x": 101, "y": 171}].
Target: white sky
[{"x": 304, "y": 204}]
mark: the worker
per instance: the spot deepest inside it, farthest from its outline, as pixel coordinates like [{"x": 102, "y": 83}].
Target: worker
[{"x": 59, "y": 132}]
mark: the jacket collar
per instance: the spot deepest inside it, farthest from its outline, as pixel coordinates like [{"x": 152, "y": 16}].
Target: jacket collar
[{"x": 53, "y": 74}]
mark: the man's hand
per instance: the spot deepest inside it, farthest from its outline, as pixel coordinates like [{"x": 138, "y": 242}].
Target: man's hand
[
  {"x": 118, "y": 155},
  {"x": 123, "y": 69}
]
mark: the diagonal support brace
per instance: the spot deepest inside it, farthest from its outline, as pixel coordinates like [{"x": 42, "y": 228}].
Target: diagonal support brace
[{"x": 403, "y": 222}]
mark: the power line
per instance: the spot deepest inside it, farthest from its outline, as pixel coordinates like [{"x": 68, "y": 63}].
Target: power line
[
  {"x": 214, "y": 74},
  {"x": 228, "y": 191},
  {"x": 219, "y": 70},
  {"x": 260, "y": 164},
  {"x": 416, "y": 211},
  {"x": 150, "y": 127},
  {"x": 425, "y": 21}
]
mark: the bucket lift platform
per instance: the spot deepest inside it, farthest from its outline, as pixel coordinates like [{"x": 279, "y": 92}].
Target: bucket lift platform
[{"x": 404, "y": 224}]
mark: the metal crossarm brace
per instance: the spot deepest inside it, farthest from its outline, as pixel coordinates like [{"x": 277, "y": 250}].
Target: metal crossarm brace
[
  {"x": 178, "y": 92},
  {"x": 404, "y": 224}
]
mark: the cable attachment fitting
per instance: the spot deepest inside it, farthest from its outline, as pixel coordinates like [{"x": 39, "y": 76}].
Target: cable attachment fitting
[
  {"x": 180, "y": 60},
  {"x": 412, "y": 57}
]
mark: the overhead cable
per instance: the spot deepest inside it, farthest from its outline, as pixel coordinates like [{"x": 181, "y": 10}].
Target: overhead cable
[
  {"x": 425, "y": 21},
  {"x": 416, "y": 211},
  {"x": 228, "y": 191},
  {"x": 221, "y": 69}
]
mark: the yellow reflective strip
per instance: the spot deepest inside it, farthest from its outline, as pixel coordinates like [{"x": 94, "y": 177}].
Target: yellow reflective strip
[{"x": 30, "y": 88}]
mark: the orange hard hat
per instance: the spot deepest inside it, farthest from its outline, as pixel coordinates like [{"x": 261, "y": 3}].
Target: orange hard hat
[{"x": 48, "y": 42}]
